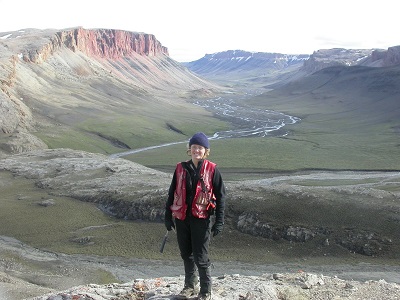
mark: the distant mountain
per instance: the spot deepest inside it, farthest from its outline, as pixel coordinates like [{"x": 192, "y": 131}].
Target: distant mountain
[
  {"x": 243, "y": 69},
  {"x": 244, "y": 62},
  {"x": 270, "y": 70}
]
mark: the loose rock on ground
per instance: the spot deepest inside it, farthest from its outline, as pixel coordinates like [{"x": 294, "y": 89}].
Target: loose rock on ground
[{"x": 267, "y": 287}]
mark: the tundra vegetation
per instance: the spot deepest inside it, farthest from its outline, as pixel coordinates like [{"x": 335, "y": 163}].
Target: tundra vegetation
[{"x": 325, "y": 193}]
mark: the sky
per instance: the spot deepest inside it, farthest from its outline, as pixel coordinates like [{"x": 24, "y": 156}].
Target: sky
[{"x": 191, "y": 29}]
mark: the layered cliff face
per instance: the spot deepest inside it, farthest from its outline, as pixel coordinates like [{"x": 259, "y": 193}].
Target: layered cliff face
[{"x": 101, "y": 43}]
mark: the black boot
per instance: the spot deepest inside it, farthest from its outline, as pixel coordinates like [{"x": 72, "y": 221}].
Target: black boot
[
  {"x": 205, "y": 281},
  {"x": 191, "y": 281},
  {"x": 206, "y": 296}
]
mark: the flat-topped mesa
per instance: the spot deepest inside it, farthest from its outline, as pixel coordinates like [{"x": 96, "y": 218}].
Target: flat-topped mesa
[
  {"x": 102, "y": 43},
  {"x": 352, "y": 57}
]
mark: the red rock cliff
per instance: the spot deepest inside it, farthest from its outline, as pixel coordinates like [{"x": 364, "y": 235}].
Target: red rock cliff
[{"x": 103, "y": 43}]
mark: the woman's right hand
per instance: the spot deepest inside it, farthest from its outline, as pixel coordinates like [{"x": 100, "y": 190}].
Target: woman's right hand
[{"x": 169, "y": 223}]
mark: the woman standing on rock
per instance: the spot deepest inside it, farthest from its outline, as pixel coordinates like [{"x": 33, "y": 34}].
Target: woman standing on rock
[{"x": 196, "y": 192}]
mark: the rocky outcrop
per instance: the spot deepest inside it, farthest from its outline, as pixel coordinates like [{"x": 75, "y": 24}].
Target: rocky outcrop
[
  {"x": 22, "y": 141},
  {"x": 325, "y": 58},
  {"x": 392, "y": 57},
  {"x": 101, "y": 43},
  {"x": 356, "y": 241},
  {"x": 352, "y": 57},
  {"x": 14, "y": 114},
  {"x": 114, "y": 196},
  {"x": 129, "y": 191},
  {"x": 249, "y": 223},
  {"x": 385, "y": 58},
  {"x": 11, "y": 115}
]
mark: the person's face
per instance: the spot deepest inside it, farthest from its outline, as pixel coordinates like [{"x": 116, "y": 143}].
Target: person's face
[{"x": 197, "y": 152}]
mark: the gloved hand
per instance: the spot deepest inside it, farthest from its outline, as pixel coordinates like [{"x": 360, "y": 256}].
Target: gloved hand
[
  {"x": 217, "y": 228},
  {"x": 169, "y": 223}
]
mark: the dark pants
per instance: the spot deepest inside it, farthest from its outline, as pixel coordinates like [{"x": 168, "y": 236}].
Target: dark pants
[{"x": 194, "y": 238}]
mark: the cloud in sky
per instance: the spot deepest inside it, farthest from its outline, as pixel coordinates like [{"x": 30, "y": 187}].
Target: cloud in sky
[{"x": 190, "y": 29}]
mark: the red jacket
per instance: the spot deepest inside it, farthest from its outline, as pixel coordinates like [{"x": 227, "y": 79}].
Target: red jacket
[{"x": 200, "y": 203}]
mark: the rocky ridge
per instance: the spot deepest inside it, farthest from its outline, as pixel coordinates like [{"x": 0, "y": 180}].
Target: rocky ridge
[
  {"x": 266, "y": 287},
  {"x": 130, "y": 191}
]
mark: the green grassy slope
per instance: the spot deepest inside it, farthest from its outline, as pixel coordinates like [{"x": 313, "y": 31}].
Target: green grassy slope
[{"x": 103, "y": 111}]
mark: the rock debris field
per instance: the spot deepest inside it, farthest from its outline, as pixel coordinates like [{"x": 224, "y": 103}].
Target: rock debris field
[{"x": 269, "y": 286}]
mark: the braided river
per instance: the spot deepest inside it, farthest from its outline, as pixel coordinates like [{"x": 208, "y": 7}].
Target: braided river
[{"x": 246, "y": 122}]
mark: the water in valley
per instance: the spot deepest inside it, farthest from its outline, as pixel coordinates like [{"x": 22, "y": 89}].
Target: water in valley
[{"x": 246, "y": 122}]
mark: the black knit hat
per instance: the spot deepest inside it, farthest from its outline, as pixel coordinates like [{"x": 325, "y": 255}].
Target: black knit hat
[{"x": 199, "y": 138}]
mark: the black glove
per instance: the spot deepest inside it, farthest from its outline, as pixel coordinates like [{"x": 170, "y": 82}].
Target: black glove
[
  {"x": 217, "y": 228},
  {"x": 169, "y": 223}
]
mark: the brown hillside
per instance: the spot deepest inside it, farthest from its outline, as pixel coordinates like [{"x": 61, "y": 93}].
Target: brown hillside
[{"x": 64, "y": 77}]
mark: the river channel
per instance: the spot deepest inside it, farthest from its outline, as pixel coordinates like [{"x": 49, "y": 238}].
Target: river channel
[{"x": 246, "y": 122}]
